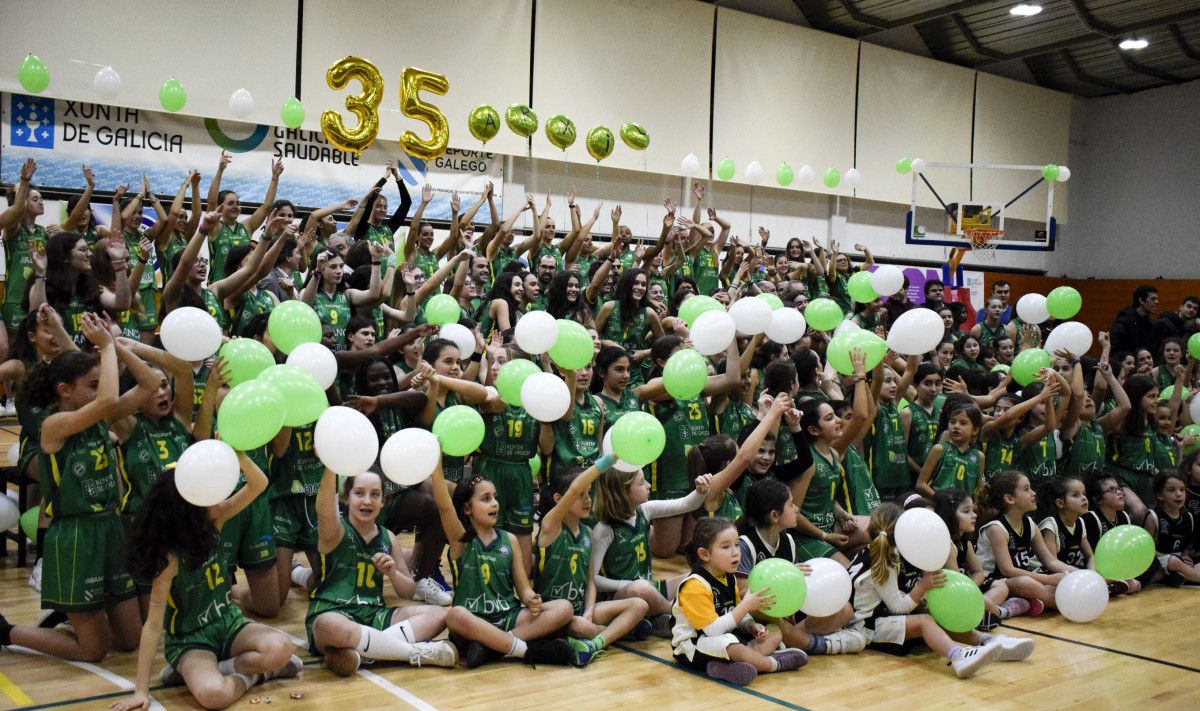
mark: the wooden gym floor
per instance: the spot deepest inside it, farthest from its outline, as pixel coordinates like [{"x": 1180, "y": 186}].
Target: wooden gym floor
[{"x": 1143, "y": 650}]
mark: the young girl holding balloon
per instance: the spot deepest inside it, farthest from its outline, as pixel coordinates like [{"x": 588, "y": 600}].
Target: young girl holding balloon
[
  {"x": 1174, "y": 531},
  {"x": 886, "y": 445},
  {"x": 83, "y": 574},
  {"x": 1086, "y": 439},
  {"x": 714, "y": 628},
  {"x": 440, "y": 374},
  {"x": 574, "y": 440},
  {"x": 954, "y": 462},
  {"x": 1063, "y": 530},
  {"x": 1106, "y": 509},
  {"x": 610, "y": 383},
  {"x": 1000, "y": 435}
]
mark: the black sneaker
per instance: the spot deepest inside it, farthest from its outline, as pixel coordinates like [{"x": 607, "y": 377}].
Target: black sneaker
[
  {"x": 550, "y": 651},
  {"x": 478, "y": 655},
  {"x": 661, "y": 625},
  {"x": 641, "y": 631}
]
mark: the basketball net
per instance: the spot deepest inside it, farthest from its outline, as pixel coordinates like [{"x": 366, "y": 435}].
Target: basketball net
[{"x": 983, "y": 242}]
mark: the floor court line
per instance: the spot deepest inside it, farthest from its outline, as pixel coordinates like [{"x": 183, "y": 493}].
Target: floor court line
[
  {"x": 671, "y": 663},
  {"x": 14, "y": 692},
  {"x": 1123, "y": 653},
  {"x": 397, "y": 691}
]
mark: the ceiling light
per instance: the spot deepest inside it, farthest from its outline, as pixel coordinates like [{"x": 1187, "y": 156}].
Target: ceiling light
[
  {"x": 1025, "y": 9},
  {"x": 1134, "y": 43}
]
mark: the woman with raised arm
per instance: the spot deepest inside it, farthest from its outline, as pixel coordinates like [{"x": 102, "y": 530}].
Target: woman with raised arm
[{"x": 227, "y": 232}]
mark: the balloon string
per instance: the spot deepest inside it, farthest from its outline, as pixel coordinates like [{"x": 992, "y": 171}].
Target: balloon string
[{"x": 750, "y": 234}]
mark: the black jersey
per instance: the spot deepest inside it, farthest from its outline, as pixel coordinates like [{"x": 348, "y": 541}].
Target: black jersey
[
  {"x": 1175, "y": 535},
  {"x": 1070, "y": 540},
  {"x": 1096, "y": 525}
]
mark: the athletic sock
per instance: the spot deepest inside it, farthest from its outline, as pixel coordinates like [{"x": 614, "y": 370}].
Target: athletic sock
[
  {"x": 774, "y": 664},
  {"x": 300, "y": 575},
  {"x": 954, "y": 651},
  {"x": 984, "y": 638},
  {"x": 598, "y": 642},
  {"x": 248, "y": 679},
  {"x": 377, "y": 644},
  {"x": 817, "y": 644},
  {"x": 518, "y": 649},
  {"x": 226, "y": 666}
]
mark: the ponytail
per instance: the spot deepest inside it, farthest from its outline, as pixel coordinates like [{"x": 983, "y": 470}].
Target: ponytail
[
  {"x": 991, "y": 503},
  {"x": 41, "y": 385},
  {"x": 884, "y": 556}
]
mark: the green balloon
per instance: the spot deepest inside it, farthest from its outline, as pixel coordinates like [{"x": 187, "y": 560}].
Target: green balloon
[
  {"x": 600, "y": 143},
  {"x": 693, "y": 306},
  {"x": 1192, "y": 430},
  {"x": 511, "y": 377},
  {"x": 1050, "y": 172},
  {"x": 775, "y": 302},
  {"x": 302, "y": 395},
  {"x": 786, "y": 583},
  {"x": 958, "y": 605},
  {"x": 685, "y": 374},
  {"x": 860, "y": 288},
  {"x": 823, "y": 314},
  {"x": 29, "y": 523},
  {"x": 246, "y": 358},
  {"x": 838, "y": 352},
  {"x": 292, "y": 113},
  {"x": 1063, "y": 302},
  {"x": 459, "y": 429},
  {"x": 638, "y": 438},
  {"x": 521, "y": 120},
  {"x": 1194, "y": 345},
  {"x": 1028, "y": 364},
  {"x": 560, "y": 130},
  {"x": 33, "y": 74},
  {"x": 904, "y": 166},
  {"x": 293, "y": 323},
  {"x": 635, "y": 136},
  {"x": 1124, "y": 552},
  {"x": 442, "y": 309},
  {"x": 1167, "y": 392},
  {"x": 1000, "y": 368},
  {"x": 785, "y": 175},
  {"x": 251, "y": 415},
  {"x": 725, "y": 169},
  {"x": 172, "y": 95},
  {"x": 574, "y": 348},
  {"x": 535, "y": 466},
  {"x": 484, "y": 122},
  {"x": 832, "y": 178}
]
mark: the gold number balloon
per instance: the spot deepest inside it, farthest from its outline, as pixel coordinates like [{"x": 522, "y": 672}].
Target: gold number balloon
[
  {"x": 521, "y": 120},
  {"x": 412, "y": 82},
  {"x": 484, "y": 122},
  {"x": 600, "y": 143},
  {"x": 635, "y": 136},
  {"x": 365, "y": 106},
  {"x": 561, "y": 131}
]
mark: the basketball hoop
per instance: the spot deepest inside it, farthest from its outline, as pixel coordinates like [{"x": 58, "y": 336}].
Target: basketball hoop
[{"x": 984, "y": 241}]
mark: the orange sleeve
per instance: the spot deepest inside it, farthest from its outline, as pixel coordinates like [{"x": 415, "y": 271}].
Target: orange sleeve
[{"x": 696, "y": 601}]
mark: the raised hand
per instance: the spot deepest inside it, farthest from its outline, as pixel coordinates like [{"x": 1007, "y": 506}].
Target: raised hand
[
  {"x": 455, "y": 201},
  {"x": 89, "y": 177},
  {"x": 670, "y": 205},
  {"x": 28, "y": 168},
  {"x": 426, "y": 194},
  {"x": 38, "y": 255},
  {"x": 223, "y": 161},
  {"x": 95, "y": 330},
  {"x": 712, "y": 214},
  {"x": 764, "y": 234},
  {"x": 616, "y": 214},
  {"x": 276, "y": 169},
  {"x": 698, "y": 190},
  {"x": 571, "y": 197},
  {"x": 144, "y": 247},
  {"x": 116, "y": 249}
]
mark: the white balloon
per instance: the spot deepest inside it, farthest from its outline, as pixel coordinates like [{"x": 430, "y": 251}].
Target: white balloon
[
  {"x": 847, "y": 325},
  {"x": 923, "y": 539},
  {"x": 536, "y": 331},
  {"x": 805, "y": 175},
  {"x": 713, "y": 331},
  {"x": 345, "y": 440},
  {"x": 545, "y": 397},
  {"x": 1070, "y": 336},
  {"x": 750, "y": 316},
  {"x": 107, "y": 83},
  {"x": 919, "y": 165},
  {"x": 10, "y": 513},
  {"x": 1031, "y": 308},
  {"x": 316, "y": 360},
  {"x": 241, "y": 103},
  {"x": 754, "y": 172},
  {"x": 690, "y": 166},
  {"x": 14, "y": 452},
  {"x": 828, "y": 588},
  {"x": 1064, "y": 174},
  {"x": 1082, "y": 595},
  {"x": 916, "y": 331},
  {"x": 462, "y": 337},
  {"x": 787, "y": 326},
  {"x": 620, "y": 464},
  {"x": 887, "y": 280},
  {"x": 409, "y": 456},
  {"x": 851, "y": 179},
  {"x": 207, "y": 472},
  {"x": 190, "y": 333},
  {"x": 1194, "y": 409}
]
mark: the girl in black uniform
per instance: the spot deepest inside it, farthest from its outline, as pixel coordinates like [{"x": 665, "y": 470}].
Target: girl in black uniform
[
  {"x": 1174, "y": 531},
  {"x": 1063, "y": 530},
  {"x": 1106, "y": 499}
]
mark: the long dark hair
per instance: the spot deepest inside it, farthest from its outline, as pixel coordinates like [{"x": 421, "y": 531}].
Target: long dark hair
[
  {"x": 40, "y": 388},
  {"x": 1136, "y": 387},
  {"x": 945, "y": 504},
  {"x": 464, "y": 491},
  {"x": 604, "y": 360},
  {"x": 166, "y": 525},
  {"x": 557, "y": 304},
  {"x": 502, "y": 289},
  {"x": 61, "y": 287},
  {"x": 765, "y": 496},
  {"x": 808, "y": 364},
  {"x": 630, "y": 307}
]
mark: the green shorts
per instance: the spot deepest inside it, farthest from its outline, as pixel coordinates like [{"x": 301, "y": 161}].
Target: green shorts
[
  {"x": 294, "y": 520},
  {"x": 148, "y": 321},
  {"x": 809, "y": 548},
  {"x": 83, "y": 566},
  {"x": 667, "y": 494},
  {"x": 375, "y": 616},
  {"x": 514, "y": 491},
  {"x": 29, "y": 452},
  {"x": 453, "y": 468},
  {"x": 1139, "y": 483},
  {"x": 248, "y": 539},
  {"x": 216, "y": 636},
  {"x": 13, "y": 315}
]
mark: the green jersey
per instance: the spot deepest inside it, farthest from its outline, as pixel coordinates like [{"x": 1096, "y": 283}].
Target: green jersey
[
  {"x": 548, "y": 249},
  {"x": 426, "y": 261},
  {"x": 380, "y": 235},
  {"x": 346, "y": 576},
  {"x": 856, "y": 492},
  {"x": 1039, "y": 461},
  {"x": 334, "y": 311},
  {"x": 83, "y": 474},
  {"x": 73, "y": 322},
  {"x": 627, "y": 258},
  {"x": 613, "y": 409},
  {"x": 1000, "y": 452},
  {"x": 1164, "y": 378},
  {"x": 922, "y": 432},
  {"x": 215, "y": 309},
  {"x": 1086, "y": 452},
  {"x": 628, "y": 556},
  {"x": 224, "y": 240},
  {"x": 20, "y": 261},
  {"x": 502, "y": 258},
  {"x": 199, "y": 595},
  {"x": 839, "y": 291},
  {"x": 562, "y": 569},
  {"x": 686, "y": 423},
  {"x": 818, "y": 504},
  {"x": 30, "y": 418},
  {"x": 633, "y": 336},
  {"x": 988, "y": 335},
  {"x": 133, "y": 245},
  {"x": 1166, "y": 454},
  {"x": 510, "y": 435},
  {"x": 958, "y": 469},
  {"x": 297, "y": 471},
  {"x": 128, "y": 322},
  {"x": 150, "y": 447},
  {"x": 584, "y": 263},
  {"x": 729, "y": 508},
  {"x": 967, "y": 364},
  {"x": 704, "y": 265},
  {"x": 483, "y": 577},
  {"x": 887, "y": 451},
  {"x": 253, "y": 303},
  {"x": 1133, "y": 458},
  {"x": 175, "y": 245},
  {"x": 577, "y": 443},
  {"x": 736, "y": 415}
]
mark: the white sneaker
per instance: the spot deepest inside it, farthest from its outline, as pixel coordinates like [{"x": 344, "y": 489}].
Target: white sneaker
[
  {"x": 1013, "y": 649},
  {"x": 971, "y": 659},
  {"x": 437, "y": 654},
  {"x": 9, "y": 409},
  {"x": 35, "y": 578},
  {"x": 845, "y": 641},
  {"x": 429, "y": 591}
]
